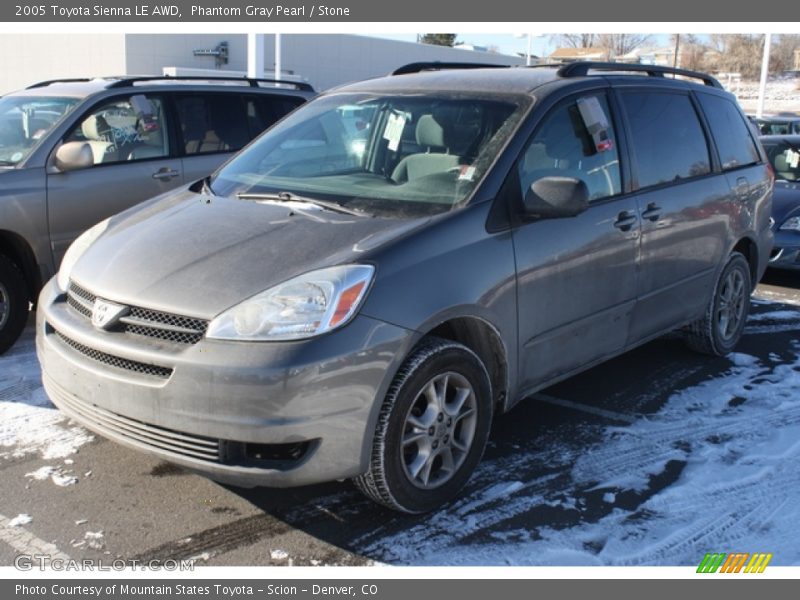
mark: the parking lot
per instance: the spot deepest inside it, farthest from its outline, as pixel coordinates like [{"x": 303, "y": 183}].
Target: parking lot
[{"x": 654, "y": 458}]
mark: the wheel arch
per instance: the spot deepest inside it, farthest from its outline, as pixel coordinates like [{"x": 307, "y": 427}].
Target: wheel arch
[
  {"x": 749, "y": 249},
  {"x": 18, "y": 251}
]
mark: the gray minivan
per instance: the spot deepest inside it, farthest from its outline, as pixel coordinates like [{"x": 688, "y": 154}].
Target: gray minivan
[
  {"x": 74, "y": 152},
  {"x": 359, "y": 292}
]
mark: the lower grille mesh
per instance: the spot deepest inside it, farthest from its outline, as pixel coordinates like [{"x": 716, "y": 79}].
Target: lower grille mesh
[
  {"x": 115, "y": 361},
  {"x": 173, "y": 442}
]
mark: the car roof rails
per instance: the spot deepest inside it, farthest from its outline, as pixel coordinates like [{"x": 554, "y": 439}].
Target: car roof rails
[
  {"x": 581, "y": 68},
  {"x": 129, "y": 81},
  {"x": 52, "y": 81},
  {"x": 417, "y": 67}
]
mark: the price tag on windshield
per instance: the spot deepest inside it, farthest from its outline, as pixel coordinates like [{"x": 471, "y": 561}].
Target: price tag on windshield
[{"x": 394, "y": 130}]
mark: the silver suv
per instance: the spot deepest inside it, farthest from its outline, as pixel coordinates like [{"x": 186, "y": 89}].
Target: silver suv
[
  {"x": 74, "y": 152},
  {"x": 360, "y": 291}
]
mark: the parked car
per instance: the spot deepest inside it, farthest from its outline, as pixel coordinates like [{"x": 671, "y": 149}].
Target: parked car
[
  {"x": 783, "y": 152},
  {"x": 365, "y": 313},
  {"x": 74, "y": 152},
  {"x": 782, "y": 124}
]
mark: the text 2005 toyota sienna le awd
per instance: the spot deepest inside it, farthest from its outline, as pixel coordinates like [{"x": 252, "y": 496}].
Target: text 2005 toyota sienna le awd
[{"x": 363, "y": 288}]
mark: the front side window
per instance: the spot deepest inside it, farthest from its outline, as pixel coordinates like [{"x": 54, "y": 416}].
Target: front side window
[
  {"x": 576, "y": 140},
  {"x": 667, "y": 137},
  {"x": 124, "y": 129},
  {"x": 731, "y": 132},
  {"x": 26, "y": 120},
  {"x": 385, "y": 154}
]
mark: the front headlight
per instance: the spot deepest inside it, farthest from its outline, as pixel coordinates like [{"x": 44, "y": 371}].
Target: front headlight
[
  {"x": 76, "y": 250},
  {"x": 303, "y": 307},
  {"x": 791, "y": 224}
]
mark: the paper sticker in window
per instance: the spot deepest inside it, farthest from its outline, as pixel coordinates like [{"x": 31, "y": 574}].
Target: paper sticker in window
[
  {"x": 394, "y": 130},
  {"x": 596, "y": 122}
]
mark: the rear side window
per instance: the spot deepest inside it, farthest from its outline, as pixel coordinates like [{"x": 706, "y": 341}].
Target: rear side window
[
  {"x": 731, "y": 133},
  {"x": 667, "y": 138},
  {"x": 212, "y": 123}
]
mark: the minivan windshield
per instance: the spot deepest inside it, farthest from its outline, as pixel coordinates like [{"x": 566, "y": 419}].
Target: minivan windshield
[
  {"x": 24, "y": 121},
  {"x": 784, "y": 156},
  {"x": 390, "y": 155}
]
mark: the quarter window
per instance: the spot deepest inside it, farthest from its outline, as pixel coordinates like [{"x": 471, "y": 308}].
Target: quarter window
[
  {"x": 668, "y": 142},
  {"x": 576, "y": 140},
  {"x": 731, "y": 133}
]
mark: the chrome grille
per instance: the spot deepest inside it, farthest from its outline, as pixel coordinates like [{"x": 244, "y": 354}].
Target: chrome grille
[
  {"x": 160, "y": 438},
  {"x": 143, "y": 321},
  {"x": 131, "y": 366}
]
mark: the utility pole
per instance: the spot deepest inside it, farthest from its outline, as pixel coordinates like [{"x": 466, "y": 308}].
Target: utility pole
[{"x": 762, "y": 88}]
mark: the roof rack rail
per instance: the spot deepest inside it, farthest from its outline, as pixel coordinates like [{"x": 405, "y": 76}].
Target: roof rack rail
[
  {"x": 51, "y": 81},
  {"x": 581, "y": 68},
  {"x": 252, "y": 82},
  {"x": 417, "y": 67}
]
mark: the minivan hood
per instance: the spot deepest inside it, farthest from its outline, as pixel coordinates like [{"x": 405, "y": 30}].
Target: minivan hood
[{"x": 199, "y": 255}]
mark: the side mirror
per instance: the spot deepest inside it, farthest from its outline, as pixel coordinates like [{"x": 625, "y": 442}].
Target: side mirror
[
  {"x": 556, "y": 198},
  {"x": 74, "y": 155}
]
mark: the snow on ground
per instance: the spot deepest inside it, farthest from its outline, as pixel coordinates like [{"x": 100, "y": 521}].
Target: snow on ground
[
  {"x": 29, "y": 423},
  {"x": 714, "y": 470}
]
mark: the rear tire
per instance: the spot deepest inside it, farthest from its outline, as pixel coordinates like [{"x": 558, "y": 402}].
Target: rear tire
[
  {"x": 432, "y": 429},
  {"x": 13, "y": 303},
  {"x": 720, "y": 329}
]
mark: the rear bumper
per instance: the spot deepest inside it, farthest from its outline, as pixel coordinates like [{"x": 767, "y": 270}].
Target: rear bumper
[{"x": 219, "y": 407}]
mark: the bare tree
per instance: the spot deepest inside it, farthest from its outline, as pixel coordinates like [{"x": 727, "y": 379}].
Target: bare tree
[
  {"x": 737, "y": 53},
  {"x": 781, "y": 56},
  {"x": 691, "y": 52},
  {"x": 618, "y": 44},
  {"x": 576, "y": 40}
]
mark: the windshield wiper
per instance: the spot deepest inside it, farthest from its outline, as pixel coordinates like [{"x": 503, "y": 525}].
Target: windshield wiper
[{"x": 289, "y": 197}]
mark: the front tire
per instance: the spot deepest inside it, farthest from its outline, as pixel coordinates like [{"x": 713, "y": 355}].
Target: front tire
[
  {"x": 13, "y": 303},
  {"x": 721, "y": 328},
  {"x": 432, "y": 429}
]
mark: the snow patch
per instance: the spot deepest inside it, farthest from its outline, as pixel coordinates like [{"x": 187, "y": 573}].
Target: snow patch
[
  {"x": 29, "y": 423},
  {"x": 20, "y": 519},
  {"x": 279, "y": 554}
]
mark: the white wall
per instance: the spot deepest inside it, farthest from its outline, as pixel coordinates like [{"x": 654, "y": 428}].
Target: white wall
[
  {"x": 31, "y": 57},
  {"x": 326, "y": 60}
]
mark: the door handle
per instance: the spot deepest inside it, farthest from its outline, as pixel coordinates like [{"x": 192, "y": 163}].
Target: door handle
[
  {"x": 652, "y": 212},
  {"x": 625, "y": 220},
  {"x": 165, "y": 173}
]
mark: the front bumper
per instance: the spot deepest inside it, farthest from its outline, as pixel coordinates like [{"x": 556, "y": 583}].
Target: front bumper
[{"x": 276, "y": 414}]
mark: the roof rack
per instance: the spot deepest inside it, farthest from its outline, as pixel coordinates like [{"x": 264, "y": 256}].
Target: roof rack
[
  {"x": 417, "y": 67},
  {"x": 51, "y": 81},
  {"x": 129, "y": 80},
  {"x": 252, "y": 82},
  {"x": 581, "y": 68}
]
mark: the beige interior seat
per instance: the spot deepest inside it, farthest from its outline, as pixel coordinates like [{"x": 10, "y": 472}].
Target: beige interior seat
[
  {"x": 431, "y": 134},
  {"x": 96, "y": 131}
]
